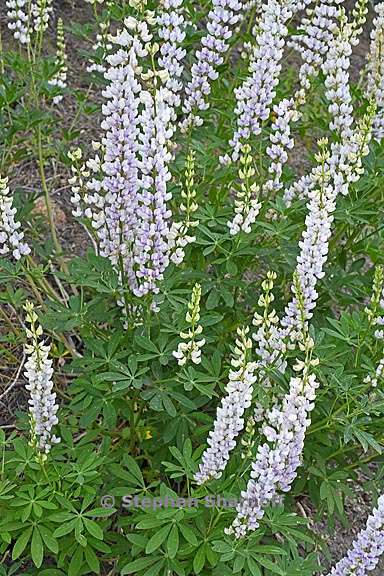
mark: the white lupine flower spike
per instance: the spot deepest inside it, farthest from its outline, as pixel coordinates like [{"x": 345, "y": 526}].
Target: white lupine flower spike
[
  {"x": 229, "y": 417},
  {"x": 60, "y": 77},
  {"x": 11, "y": 237},
  {"x": 42, "y": 402},
  {"x": 222, "y": 19},
  {"x": 18, "y": 16},
  {"x": 247, "y": 205},
  {"x": 375, "y": 70},
  {"x": 190, "y": 348}
]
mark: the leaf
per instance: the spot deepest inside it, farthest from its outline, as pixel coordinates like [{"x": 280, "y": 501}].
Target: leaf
[
  {"x": 48, "y": 539},
  {"x": 188, "y": 534},
  {"x": 65, "y": 528},
  {"x": 92, "y": 560},
  {"x": 76, "y": 562},
  {"x": 146, "y": 343},
  {"x": 157, "y": 539},
  {"x": 137, "y": 565},
  {"x": 100, "y": 512},
  {"x": 155, "y": 569},
  {"x": 21, "y": 543},
  {"x": 269, "y": 549},
  {"x": 173, "y": 542},
  {"x": 37, "y": 548},
  {"x": 93, "y": 528},
  {"x": 199, "y": 559},
  {"x": 270, "y": 565},
  {"x": 253, "y": 567}
]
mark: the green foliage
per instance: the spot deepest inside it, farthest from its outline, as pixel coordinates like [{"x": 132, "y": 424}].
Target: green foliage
[{"x": 132, "y": 422}]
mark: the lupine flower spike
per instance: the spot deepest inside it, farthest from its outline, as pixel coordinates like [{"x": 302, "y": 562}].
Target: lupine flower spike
[
  {"x": 26, "y": 16},
  {"x": 60, "y": 77},
  {"x": 11, "y": 238},
  {"x": 41, "y": 11},
  {"x": 180, "y": 232},
  {"x": 222, "y": 19},
  {"x": 270, "y": 347},
  {"x": 278, "y": 459},
  {"x": 42, "y": 402},
  {"x": 18, "y": 16},
  {"x": 127, "y": 195},
  {"x": 247, "y": 205},
  {"x": 190, "y": 349},
  {"x": 254, "y": 97},
  {"x": 375, "y": 70},
  {"x": 229, "y": 417},
  {"x": 366, "y": 549},
  {"x": 375, "y": 314}
]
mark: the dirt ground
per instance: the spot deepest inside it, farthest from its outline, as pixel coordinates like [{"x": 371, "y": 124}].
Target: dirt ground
[{"x": 25, "y": 175}]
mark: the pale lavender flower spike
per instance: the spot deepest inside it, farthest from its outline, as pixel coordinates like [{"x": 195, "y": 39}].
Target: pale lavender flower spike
[
  {"x": 127, "y": 197},
  {"x": 229, "y": 417},
  {"x": 254, "y": 97},
  {"x": 366, "y": 550},
  {"x": 222, "y": 19},
  {"x": 172, "y": 31},
  {"x": 278, "y": 459}
]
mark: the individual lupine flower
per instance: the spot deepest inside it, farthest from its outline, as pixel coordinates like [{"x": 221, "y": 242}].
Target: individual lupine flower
[
  {"x": 190, "y": 349},
  {"x": 41, "y": 11},
  {"x": 375, "y": 70},
  {"x": 366, "y": 550},
  {"x": 42, "y": 402},
  {"x": 254, "y": 97},
  {"x": 229, "y": 416},
  {"x": 179, "y": 233},
  {"x": 18, "y": 15},
  {"x": 172, "y": 24},
  {"x": 278, "y": 459},
  {"x": 247, "y": 206},
  {"x": 222, "y": 19},
  {"x": 60, "y": 77},
  {"x": 138, "y": 4},
  {"x": 11, "y": 238}
]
